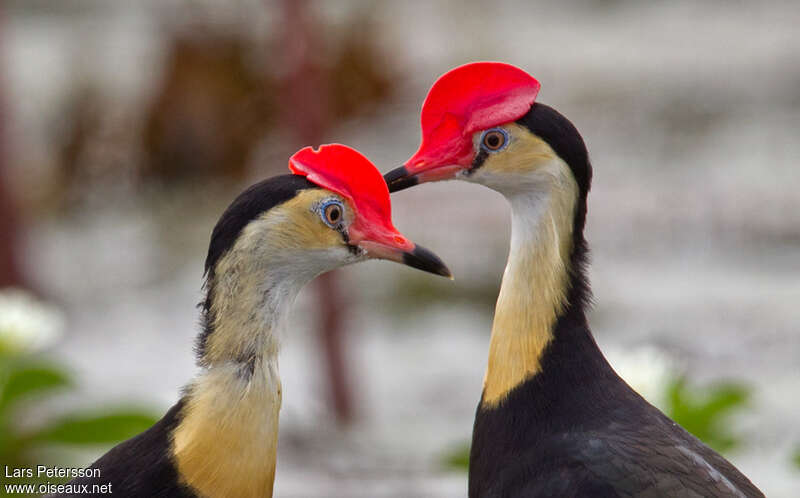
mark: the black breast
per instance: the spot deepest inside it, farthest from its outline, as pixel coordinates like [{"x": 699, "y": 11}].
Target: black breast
[
  {"x": 141, "y": 466},
  {"x": 577, "y": 429}
]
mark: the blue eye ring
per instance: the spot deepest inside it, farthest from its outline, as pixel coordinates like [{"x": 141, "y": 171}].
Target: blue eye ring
[
  {"x": 494, "y": 140},
  {"x": 332, "y": 213}
]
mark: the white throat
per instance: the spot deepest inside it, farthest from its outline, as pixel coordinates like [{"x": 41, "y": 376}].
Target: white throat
[
  {"x": 226, "y": 442},
  {"x": 534, "y": 287}
]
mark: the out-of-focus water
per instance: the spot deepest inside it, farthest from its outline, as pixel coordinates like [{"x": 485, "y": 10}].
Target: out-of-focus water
[{"x": 691, "y": 113}]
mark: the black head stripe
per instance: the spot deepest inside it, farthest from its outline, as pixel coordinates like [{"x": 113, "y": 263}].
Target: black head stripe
[
  {"x": 480, "y": 158},
  {"x": 562, "y": 136},
  {"x": 250, "y": 204}
]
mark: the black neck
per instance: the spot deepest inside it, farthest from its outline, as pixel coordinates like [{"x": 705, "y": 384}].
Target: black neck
[
  {"x": 572, "y": 360},
  {"x": 569, "y": 390}
]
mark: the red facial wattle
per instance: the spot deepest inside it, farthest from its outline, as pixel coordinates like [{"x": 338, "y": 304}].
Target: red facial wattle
[
  {"x": 347, "y": 172},
  {"x": 465, "y": 100}
]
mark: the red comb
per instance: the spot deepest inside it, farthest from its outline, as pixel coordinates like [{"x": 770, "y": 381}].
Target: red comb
[
  {"x": 347, "y": 172},
  {"x": 464, "y": 100}
]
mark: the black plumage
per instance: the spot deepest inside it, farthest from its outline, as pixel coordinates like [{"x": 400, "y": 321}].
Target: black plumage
[
  {"x": 257, "y": 199},
  {"x": 143, "y": 466},
  {"x": 250, "y": 204},
  {"x": 576, "y": 428}
]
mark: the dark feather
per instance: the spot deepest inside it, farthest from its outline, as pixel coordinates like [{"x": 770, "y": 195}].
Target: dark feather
[
  {"x": 141, "y": 466},
  {"x": 249, "y": 205},
  {"x": 576, "y": 428}
]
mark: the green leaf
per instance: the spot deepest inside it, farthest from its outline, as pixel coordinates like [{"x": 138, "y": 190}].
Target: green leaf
[
  {"x": 457, "y": 458},
  {"x": 31, "y": 380},
  {"x": 704, "y": 412},
  {"x": 87, "y": 429}
]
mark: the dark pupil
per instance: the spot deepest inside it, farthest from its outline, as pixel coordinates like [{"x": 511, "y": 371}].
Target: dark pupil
[
  {"x": 333, "y": 214},
  {"x": 493, "y": 140}
]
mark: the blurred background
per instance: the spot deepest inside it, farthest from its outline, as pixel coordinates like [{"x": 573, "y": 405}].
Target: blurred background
[{"x": 127, "y": 127}]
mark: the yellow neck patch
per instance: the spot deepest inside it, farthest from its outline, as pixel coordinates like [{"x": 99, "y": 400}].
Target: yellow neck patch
[
  {"x": 226, "y": 442},
  {"x": 533, "y": 292}
]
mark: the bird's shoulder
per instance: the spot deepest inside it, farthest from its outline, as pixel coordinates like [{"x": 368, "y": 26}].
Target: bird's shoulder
[
  {"x": 653, "y": 456},
  {"x": 140, "y": 466}
]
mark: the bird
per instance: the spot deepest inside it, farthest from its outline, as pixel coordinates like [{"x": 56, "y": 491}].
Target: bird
[
  {"x": 554, "y": 418},
  {"x": 219, "y": 440}
]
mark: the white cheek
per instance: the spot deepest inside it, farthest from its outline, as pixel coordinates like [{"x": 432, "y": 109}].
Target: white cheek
[
  {"x": 510, "y": 184},
  {"x": 311, "y": 263},
  {"x": 504, "y": 182}
]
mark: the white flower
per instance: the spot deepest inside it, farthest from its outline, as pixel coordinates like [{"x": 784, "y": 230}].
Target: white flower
[
  {"x": 648, "y": 370},
  {"x": 27, "y": 324}
]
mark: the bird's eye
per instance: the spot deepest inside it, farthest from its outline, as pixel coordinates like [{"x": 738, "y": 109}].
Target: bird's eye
[
  {"x": 332, "y": 213},
  {"x": 494, "y": 139}
]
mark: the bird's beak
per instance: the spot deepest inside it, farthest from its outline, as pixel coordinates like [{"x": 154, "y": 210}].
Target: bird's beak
[
  {"x": 416, "y": 257},
  {"x": 407, "y": 176},
  {"x": 395, "y": 247}
]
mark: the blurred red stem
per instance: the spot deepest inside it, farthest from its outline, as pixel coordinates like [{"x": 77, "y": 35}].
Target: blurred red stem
[
  {"x": 9, "y": 230},
  {"x": 306, "y": 113}
]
